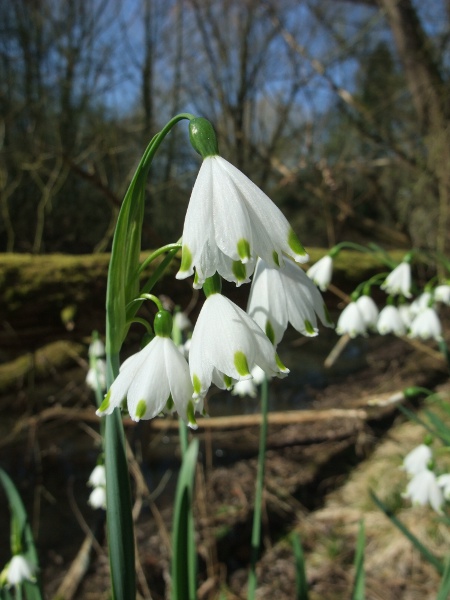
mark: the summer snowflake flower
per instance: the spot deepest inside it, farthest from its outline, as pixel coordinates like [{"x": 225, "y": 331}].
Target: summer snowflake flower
[
  {"x": 421, "y": 303},
  {"x": 390, "y": 321},
  {"x": 226, "y": 345},
  {"x": 424, "y": 489},
  {"x": 444, "y": 484},
  {"x": 19, "y": 570},
  {"x": 97, "y": 498},
  {"x": 248, "y": 387},
  {"x": 426, "y": 325},
  {"x": 417, "y": 460},
  {"x": 399, "y": 281},
  {"x": 369, "y": 310},
  {"x": 98, "y": 476},
  {"x": 230, "y": 221},
  {"x": 97, "y": 376},
  {"x": 282, "y": 295},
  {"x": 321, "y": 272},
  {"x": 405, "y": 314},
  {"x": 154, "y": 379},
  {"x": 442, "y": 293},
  {"x": 351, "y": 321}
]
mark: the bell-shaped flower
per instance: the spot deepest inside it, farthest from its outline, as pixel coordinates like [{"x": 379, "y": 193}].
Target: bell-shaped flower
[
  {"x": 390, "y": 321},
  {"x": 97, "y": 349},
  {"x": 421, "y": 303},
  {"x": 97, "y": 498},
  {"x": 230, "y": 221},
  {"x": 444, "y": 484},
  {"x": 423, "y": 489},
  {"x": 369, "y": 311},
  {"x": 399, "y": 281},
  {"x": 18, "y": 570},
  {"x": 426, "y": 325},
  {"x": 351, "y": 321},
  {"x": 282, "y": 295},
  {"x": 96, "y": 376},
  {"x": 321, "y": 272},
  {"x": 226, "y": 345},
  {"x": 417, "y": 460},
  {"x": 405, "y": 314},
  {"x": 153, "y": 379},
  {"x": 442, "y": 293},
  {"x": 97, "y": 477}
]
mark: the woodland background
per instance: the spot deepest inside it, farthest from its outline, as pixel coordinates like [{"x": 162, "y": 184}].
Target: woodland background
[{"x": 338, "y": 109}]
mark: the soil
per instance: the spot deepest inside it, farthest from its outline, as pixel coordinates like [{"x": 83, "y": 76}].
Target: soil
[{"x": 312, "y": 462}]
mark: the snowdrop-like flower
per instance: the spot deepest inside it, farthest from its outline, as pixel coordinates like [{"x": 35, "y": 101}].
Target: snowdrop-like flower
[
  {"x": 321, "y": 272},
  {"x": 405, "y": 314},
  {"x": 444, "y": 484},
  {"x": 399, "y": 281},
  {"x": 369, "y": 310},
  {"x": 442, "y": 293},
  {"x": 390, "y": 321},
  {"x": 426, "y": 325},
  {"x": 226, "y": 345},
  {"x": 351, "y": 321},
  {"x": 279, "y": 296},
  {"x": 181, "y": 321},
  {"x": 230, "y": 221},
  {"x": 97, "y": 498},
  {"x": 153, "y": 378},
  {"x": 19, "y": 570},
  {"x": 97, "y": 477},
  {"x": 417, "y": 460},
  {"x": 421, "y": 303},
  {"x": 97, "y": 375},
  {"x": 424, "y": 489},
  {"x": 97, "y": 349}
]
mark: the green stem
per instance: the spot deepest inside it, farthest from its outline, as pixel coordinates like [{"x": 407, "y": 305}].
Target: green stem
[
  {"x": 256, "y": 530},
  {"x": 156, "y": 253}
]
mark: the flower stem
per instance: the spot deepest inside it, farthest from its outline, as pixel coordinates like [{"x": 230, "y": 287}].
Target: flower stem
[{"x": 256, "y": 530}]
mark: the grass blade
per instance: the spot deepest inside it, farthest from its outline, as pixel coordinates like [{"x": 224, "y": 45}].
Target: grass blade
[
  {"x": 359, "y": 588},
  {"x": 301, "y": 583}
]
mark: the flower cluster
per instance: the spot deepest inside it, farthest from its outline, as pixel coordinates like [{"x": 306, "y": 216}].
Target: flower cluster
[
  {"x": 232, "y": 230},
  {"x": 424, "y": 487}
]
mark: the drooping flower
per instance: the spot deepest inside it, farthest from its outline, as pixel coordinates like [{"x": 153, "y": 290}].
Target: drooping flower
[
  {"x": 97, "y": 477},
  {"x": 405, "y": 314},
  {"x": 399, "y": 281},
  {"x": 390, "y": 321},
  {"x": 282, "y": 295},
  {"x": 18, "y": 570},
  {"x": 369, "y": 310},
  {"x": 421, "y": 303},
  {"x": 426, "y": 325},
  {"x": 321, "y": 272},
  {"x": 442, "y": 293},
  {"x": 230, "y": 221},
  {"x": 97, "y": 498},
  {"x": 351, "y": 321},
  {"x": 97, "y": 348},
  {"x": 424, "y": 489},
  {"x": 153, "y": 379},
  {"x": 226, "y": 345},
  {"x": 417, "y": 460},
  {"x": 96, "y": 376}
]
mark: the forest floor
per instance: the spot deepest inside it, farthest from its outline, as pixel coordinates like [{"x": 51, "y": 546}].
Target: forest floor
[{"x": 321, "y": 464}]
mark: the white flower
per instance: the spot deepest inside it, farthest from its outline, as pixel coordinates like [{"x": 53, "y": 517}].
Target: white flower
[
  {"x": 405, "y": 314},
  {"x": 181, "y": 321},
  {"x": 97, "y": 498},
  {"x": 424, "y": 489},
  {"x": 321, "y": 272},
  {"x": 229, "y": 223},
  {"x": 421, "y": 303},
  {"x": 444, "y": 484},
  {"x": 399, "y": 281},
  {"x": 351, "y": 321},
  {"x": 96, "y": 349},
  {"x": 417, "y": 460},
  {"x": 442, "y": 293},
  {"x": 97, "y": 477},
  {"x": 226, "y": 345},
  {"x": 97, "y": 376},
  {"x": 426, "y": 325},
  {"x": 369, "y": 310},
  {"x": 149, "y": 379},
  {"x": 390, "y": 321},
  {"x": 19, "y": 570},
  {"x": 282, "y": 295}
]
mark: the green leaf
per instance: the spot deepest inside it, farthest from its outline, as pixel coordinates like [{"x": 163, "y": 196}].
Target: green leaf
[
  {"x": 359, "y": 588},
  {"x": 425, "y": 552},
  {"x": 301, "y": 583},
  {"x": 184, "y": 559},
  {"x": 444, "y": 589}
]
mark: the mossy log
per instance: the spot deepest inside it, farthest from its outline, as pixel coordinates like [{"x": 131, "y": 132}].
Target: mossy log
[{"x": 49, "y": 297}]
